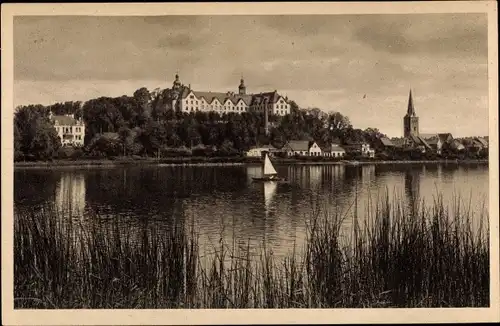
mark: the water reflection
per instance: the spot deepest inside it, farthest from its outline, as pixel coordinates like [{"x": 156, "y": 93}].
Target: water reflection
[
  {"x": 224, "y": 202},
  {"x": 70, "y": 194},
  {"x": 269, "y": 193}
]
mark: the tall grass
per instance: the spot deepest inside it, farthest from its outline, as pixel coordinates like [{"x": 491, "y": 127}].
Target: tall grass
[{"x": 399, "y": 257}]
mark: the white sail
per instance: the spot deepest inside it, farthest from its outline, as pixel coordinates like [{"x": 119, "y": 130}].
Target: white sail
[{"x": 268, "y": 167}]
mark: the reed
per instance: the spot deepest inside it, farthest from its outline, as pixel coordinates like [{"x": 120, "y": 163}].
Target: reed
[{"x": 423, "y": 256}]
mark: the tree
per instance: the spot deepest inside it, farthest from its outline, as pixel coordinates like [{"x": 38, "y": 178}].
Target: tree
[
  {"x": 34, "y": 134},
  {"x": 143, "y": 98},
  {"x": 18, "y": 153},
  {"x": 101, "y": 115},
  {"x": 125, "y": 134}
]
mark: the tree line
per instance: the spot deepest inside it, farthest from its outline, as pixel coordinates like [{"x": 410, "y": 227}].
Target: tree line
[{"x": 146, "y": 125}]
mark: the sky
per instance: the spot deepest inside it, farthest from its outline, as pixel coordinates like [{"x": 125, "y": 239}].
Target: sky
[{"x": 360, "y": 65}]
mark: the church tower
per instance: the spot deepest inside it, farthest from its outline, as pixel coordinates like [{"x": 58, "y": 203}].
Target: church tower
[
  {"x": 177, "y": 83},
  {"x": 410, "y": 120},
  {"x": 242, "y": 88}
]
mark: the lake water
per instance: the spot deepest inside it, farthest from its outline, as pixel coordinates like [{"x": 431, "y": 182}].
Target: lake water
[{"x": 223, "y": 202}]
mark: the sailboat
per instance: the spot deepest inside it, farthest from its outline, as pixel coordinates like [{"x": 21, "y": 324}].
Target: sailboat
[{"x": 268, "y": 171}]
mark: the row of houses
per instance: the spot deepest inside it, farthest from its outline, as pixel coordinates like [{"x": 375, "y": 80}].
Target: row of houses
[
  {"x": 433, "y": 142},
  {"x": 425, "y": 142},
  {"x": 312, "y": 148}
]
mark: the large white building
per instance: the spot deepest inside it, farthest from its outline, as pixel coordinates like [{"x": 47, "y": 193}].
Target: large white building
[
  {"x": 71, "y": 131},
  {"x": 189, "y": 100}
]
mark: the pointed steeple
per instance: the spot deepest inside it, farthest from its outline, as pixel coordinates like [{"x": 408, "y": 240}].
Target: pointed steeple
[{"x": 411, "y": 109}]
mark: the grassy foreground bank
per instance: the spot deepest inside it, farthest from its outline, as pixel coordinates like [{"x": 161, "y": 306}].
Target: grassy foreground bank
[{"x": 399, "y": 258}]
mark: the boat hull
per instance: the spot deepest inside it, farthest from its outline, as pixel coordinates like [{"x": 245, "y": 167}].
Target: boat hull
[{"x": 264, "y": 179}]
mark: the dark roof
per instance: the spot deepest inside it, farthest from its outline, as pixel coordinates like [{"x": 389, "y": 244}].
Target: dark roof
[
  {"x": 398, "y": 142},
  {"x": 482, "y": 141},
  {"x": 265, "y": 98},
  {"x": 386, "y": 141},
  {"x": 299, "y": 145},
  {"x": 64, "y": 120},
  {"x": 445, "y": 136},
  {"x": 420, "y": 141},
  {"x": 250, "y": 99}
]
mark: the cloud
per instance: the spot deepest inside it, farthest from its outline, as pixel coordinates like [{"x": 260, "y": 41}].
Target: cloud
[
  {"x": 450, "y": 34},
  {"x": 327, "y": 61}
]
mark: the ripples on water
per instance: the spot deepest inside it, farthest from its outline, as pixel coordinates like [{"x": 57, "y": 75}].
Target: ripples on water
[{"x": 224, "y": 204}]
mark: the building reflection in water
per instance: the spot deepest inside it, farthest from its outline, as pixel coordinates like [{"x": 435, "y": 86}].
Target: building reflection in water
[
  {"x": 412, "y": 188},
  {"x": 70, "y": 194},
  {"x": 314, "y": 176},
  {"x": 367, "y": 174}
]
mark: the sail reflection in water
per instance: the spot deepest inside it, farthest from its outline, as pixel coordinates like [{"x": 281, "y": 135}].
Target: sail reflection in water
[{"x": 269, "y": 193}]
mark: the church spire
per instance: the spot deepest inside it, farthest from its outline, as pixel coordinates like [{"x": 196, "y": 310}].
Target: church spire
[{"x": 411, "y": 109}]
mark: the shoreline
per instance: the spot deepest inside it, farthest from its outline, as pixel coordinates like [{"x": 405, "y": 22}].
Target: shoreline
[{"x": 217, "y": 161}]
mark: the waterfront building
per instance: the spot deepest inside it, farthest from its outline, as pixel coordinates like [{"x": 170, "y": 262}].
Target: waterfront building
[
  {"x": 360, "y": 148},
  {"x": 259, "y": 151},
  {"x": 70, "y": 130},
  {"x": 302, "y": 148},
  {"x": 334, "y": 150},
  {"x": 186, "y": 99}
]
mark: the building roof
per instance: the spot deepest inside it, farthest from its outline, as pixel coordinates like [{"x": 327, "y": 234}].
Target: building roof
[
  {"x": 386, "y": 142},
  {"x": 398, "y": 142},
  {"x": 482, "y": 141},
  {"x": 265, "y": 98},
  {"x": 65, "y": 120},
  {"x": 419, "y": 141},
  {"x": 299, "y": 145},
  {"x": 264, "y": 147},
  {"x": 249, "y": 99},
  {"x": 445, "y": 136},
  {"x": 455, "y": 143},
  {"x": 337, "y": 148}
]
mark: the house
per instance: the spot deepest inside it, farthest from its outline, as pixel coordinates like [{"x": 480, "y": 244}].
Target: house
[
  {"x": 337, "y": 151},
  {"x": 386, "y": 142},
  {"x": 70, "y": 130},
  {"x": 360, "y": 148},
  {"x": 417, "y": 142},
  {"x": 186, "y": 99},
  {"x": 259, "y": 151},
  {"x": 333, "y": 150},
  {"x": 474, "y": 145},
  {"x": 446, "y": 137},
  {"x": 437, "y": 141},
  {"x": 433, "y": 140},
  {"x": 398, "y": 142},
  {"x": 483, "y": 142},
  {"x": 455, "y": 144},
  {"x": 302, "y": 148}
]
